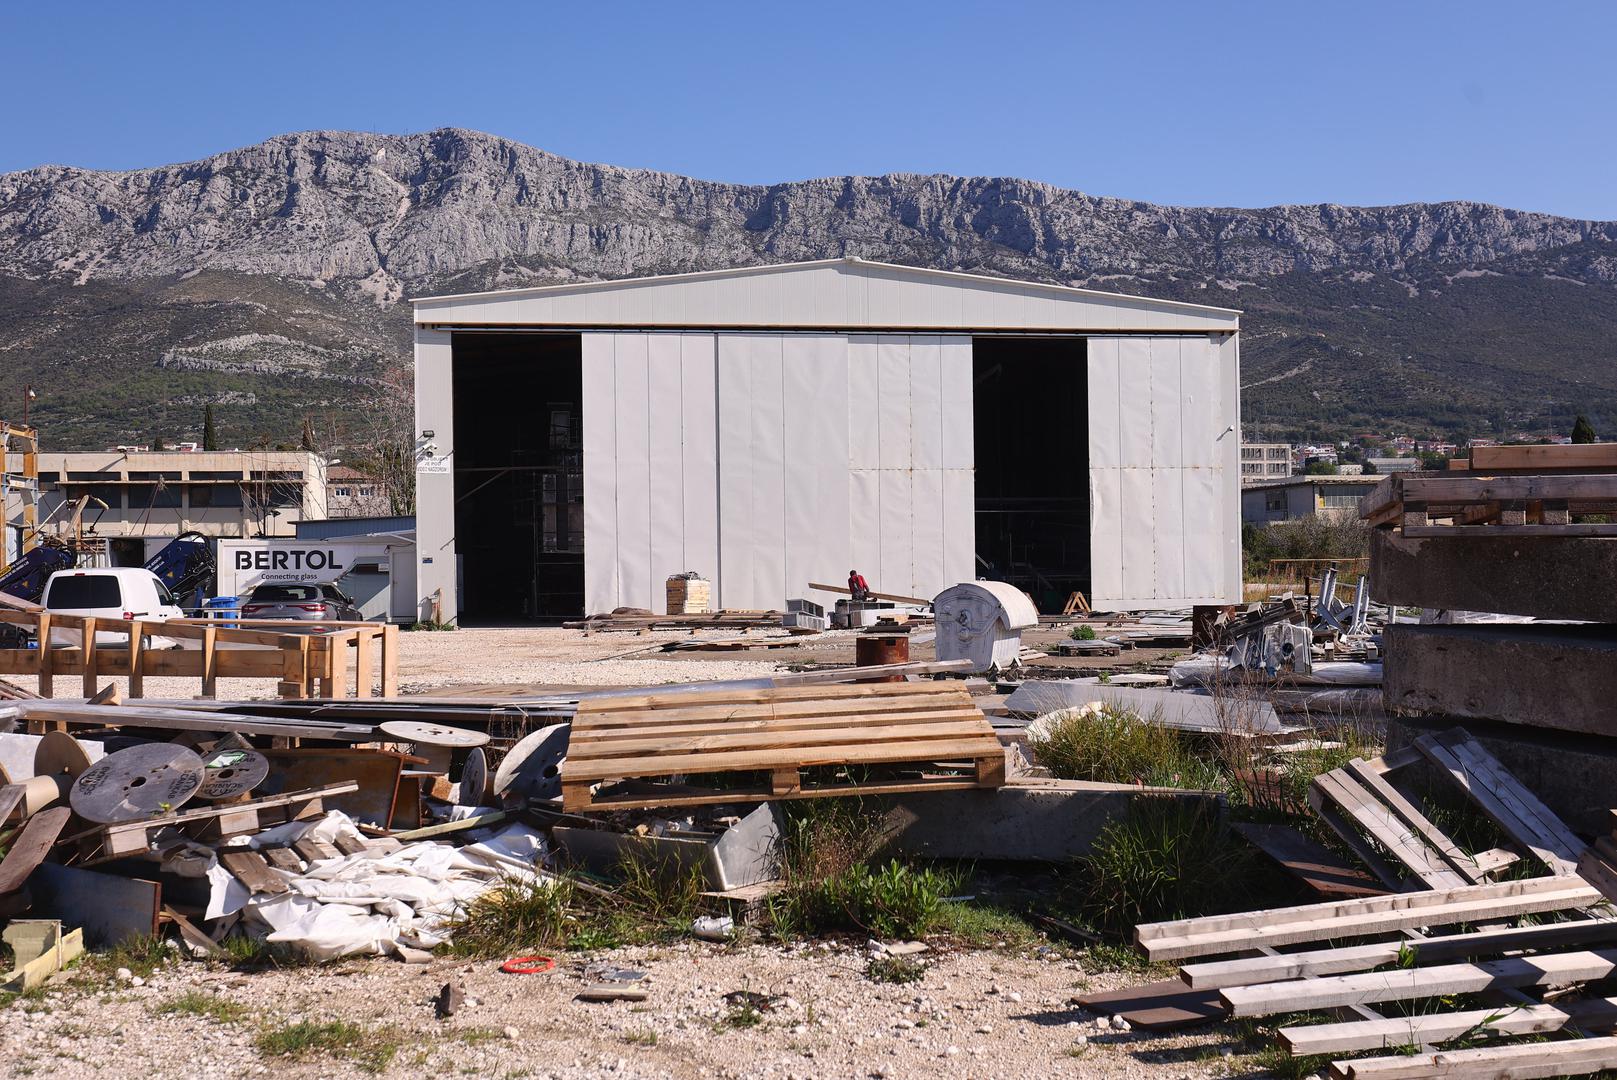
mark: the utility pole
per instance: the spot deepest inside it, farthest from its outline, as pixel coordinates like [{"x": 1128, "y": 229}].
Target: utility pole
[{"x": 27, "y": 396}]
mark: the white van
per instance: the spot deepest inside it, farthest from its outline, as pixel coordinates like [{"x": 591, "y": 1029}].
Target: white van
[{"x": 111, "y": 593}]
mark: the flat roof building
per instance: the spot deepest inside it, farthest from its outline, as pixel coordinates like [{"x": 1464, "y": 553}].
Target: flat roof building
[
  {"x": 153, "y": 496},
  {"x": 773, "y": 426},
  {"x": 1287, "y": 499}
]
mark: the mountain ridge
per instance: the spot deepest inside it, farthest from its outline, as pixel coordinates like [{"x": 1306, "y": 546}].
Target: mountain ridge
[{"x": 1458, "y": 316}]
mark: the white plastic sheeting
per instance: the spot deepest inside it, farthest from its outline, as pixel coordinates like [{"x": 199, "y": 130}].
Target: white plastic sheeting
[
  {"x": 1164, "y": 422},
  {"x": 771, "y": 460},
  {"x": 366, "y": 904}
]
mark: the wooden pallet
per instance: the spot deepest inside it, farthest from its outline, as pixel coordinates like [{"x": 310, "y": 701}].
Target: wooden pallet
[
  {"x": 899, "y": 731},
  {"x": 1477, "y": 504}
]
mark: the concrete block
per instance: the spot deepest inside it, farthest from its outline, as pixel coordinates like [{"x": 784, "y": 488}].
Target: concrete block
[
  {"x": 1028, "y": 821},
  {"x": 1548, "y": 577},
  {"x": 1560, "y": 677},
  {"x": 1574, "y": 775}
]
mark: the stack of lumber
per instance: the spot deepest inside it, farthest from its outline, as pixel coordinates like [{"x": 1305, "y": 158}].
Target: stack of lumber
[
  {"x": 1513, "y": 491},
  {"x": 1416, "y": 950},
  {"x": 753, "y": 745},
  {"x": 643, "y": 620},
  {"x": 689, "y": 596}
]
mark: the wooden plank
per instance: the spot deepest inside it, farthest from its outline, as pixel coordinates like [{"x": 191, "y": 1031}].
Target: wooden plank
[
  {"x": 249, "y": 868},
  {"x": 30, "y": 846},
  {"x": 88, "y": 649},
  {"x": 1411, "y": 984},
  {"x": 1343, "y": 960},
  {"x": 364, "y": 662},
  {"x": 1502, "y": 798},
  {"x": 1373, "y": 915},
  {"x": 210, "y": 662},
  {"x": 1567, "y": 456},
  {"x": 390, "y": 661},
  {"x": 1394, "y": 835},
  {"x": 146, "y": 716},
  {"x": 839, "y": 753},
  {"x": 723, "y": 742},
  {"x": 1428, "y": 1029},
  {"x": 1313, "y": 864},
  {"x": 1577, "y": 1057},
  {"x": 1345, "y": 830},
  {"x": 785, "y": 727},
  {"x": 577, "y": 796},
  {"x": 669, "y": 699},
  {"x": 1475, "y": 489},
  {"x": 137, "y": 675},
  {"x": 1158, "y": 1006},
  {"x": 46, "y": 655},
  {"x": 372, "y": 778},
  {"x": 1430, "y": 834},
  {"x": 603, "y": 717},
  {"x": 1514, "y": 531},
  {"x": 897, "y": 599},
  {"x": 1385, "y": 496}
]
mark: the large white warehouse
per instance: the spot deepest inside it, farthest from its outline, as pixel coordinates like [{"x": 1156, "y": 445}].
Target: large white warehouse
[{"x": 771, "y": 426}]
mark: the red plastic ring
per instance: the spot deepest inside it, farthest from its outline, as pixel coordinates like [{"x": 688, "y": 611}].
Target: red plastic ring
[{"x": 528, "y": 965}]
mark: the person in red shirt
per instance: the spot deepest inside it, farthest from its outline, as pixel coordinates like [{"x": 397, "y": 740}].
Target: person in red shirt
[{"x": 857, "y": 585}]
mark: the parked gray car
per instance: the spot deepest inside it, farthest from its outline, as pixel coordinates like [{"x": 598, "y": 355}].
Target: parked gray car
[{"x": 314, "y": 602}]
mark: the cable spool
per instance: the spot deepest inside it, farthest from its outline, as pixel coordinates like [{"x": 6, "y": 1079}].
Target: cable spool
[
  {"x": 59, "y": 753},
  {"x": 532, "y": 768},
  {"x": 231, "y": 773},
  {"x": 142, "y": 781},
  {"x": 435, "y": 742},
  {"x": 474, "y": 778}
]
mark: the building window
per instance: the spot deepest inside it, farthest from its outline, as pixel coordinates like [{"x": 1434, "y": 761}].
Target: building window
[
  {"x": 343, "y": 493},
  {"x": 208, "y": 496},
  {"x": 1274, "y": 501}
]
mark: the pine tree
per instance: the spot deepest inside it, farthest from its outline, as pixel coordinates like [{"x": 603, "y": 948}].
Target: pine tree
[
  {"x": 210, "y": 437},
  {"x": 1582, "y": 430}
]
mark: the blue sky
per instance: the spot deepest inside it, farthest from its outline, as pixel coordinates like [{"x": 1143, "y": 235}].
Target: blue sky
[{"x": 1234, "y": 104}]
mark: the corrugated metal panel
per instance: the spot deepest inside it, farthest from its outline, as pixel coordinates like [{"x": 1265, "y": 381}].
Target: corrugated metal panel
[
  {"x": 602, "y": 579},
  {"x": 844, "y": 294}
]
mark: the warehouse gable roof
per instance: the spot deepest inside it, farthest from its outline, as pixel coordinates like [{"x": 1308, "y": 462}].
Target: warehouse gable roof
[{"x": 829, "y": 294}]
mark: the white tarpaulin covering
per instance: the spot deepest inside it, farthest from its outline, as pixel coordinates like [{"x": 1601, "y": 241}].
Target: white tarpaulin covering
[
  {"x": 370, "y": 903},
  {"x": 766, "y": 461}
]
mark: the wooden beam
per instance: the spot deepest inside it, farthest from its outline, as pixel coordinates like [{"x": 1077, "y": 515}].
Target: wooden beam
[
  {"x": 1431, "y": 1028},
  {"x": 87, "y": 650},
  {"x": 210, "y": 662},
  {"x": 896, "y": 598},
  {"x": 1215, "y": 975},
  {"x": 390, "y": 661},
  {"x": 1411, "y": 984},
  {"x": 364, "y": 670},
  {"x": 137, "y": 675},
  {"x": 1185, "y": 938},
  {"x": 42, "y": 638},
  {"x": 1577, "y": 1057}
]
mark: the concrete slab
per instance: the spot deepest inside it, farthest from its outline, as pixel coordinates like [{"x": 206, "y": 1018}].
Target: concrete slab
[
  {"x": 1574, "y": 775},
  {"x": 1028, "y": 821},
  {"x": 1548, "y": 577},
  {"x": 1559, "y": 677}
]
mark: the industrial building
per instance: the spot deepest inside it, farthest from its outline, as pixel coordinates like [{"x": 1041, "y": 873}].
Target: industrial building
[
  {"x": 140, "y": 500},
  {"x": 1266, "y": 501},
  {"x": 773, "y": 426}
]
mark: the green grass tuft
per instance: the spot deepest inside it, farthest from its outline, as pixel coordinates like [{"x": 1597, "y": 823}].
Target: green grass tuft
[
  {"x": 1116, "y": 745},
  {"x": 894, "y": 969},
  {"x": 205, "y": 1006},
  {"x": 370, "y": 1049}
]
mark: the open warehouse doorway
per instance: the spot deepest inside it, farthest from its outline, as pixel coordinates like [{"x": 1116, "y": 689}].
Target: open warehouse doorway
[
  {"x": 519, "y": 476},
  {"x": 1031, "y": 409}
]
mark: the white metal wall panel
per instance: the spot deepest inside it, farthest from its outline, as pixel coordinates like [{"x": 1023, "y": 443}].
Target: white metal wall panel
[
  {"x": 633, "y": 455},
  {"x": 699, "y": 474},
  {"x": 737, "y": 542},
  {"x": 768, "y": 473},
  {"x": 665, "y": 406},
  {"x": 601, "y": 577},
  {"x": 1164, "y": 522},
  {"x": 818, "y": 491}
]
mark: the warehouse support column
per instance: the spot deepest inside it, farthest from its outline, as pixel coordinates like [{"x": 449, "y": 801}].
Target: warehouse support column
[{"x": 435, "y": 477}]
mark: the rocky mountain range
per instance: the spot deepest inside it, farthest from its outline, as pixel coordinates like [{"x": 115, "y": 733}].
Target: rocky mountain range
[{"x": 269, "y": 279}]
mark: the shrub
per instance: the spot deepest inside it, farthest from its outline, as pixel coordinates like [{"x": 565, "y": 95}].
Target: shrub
[
  {"x": 1168, "y": 858},
  {"x": 1116, "y": 745},
  {"x": 516, "y": 915},
  {"x": 894, "y": 969},
  {"x": 1083, "y": 633},
  {"x": 896, "y": 900}
]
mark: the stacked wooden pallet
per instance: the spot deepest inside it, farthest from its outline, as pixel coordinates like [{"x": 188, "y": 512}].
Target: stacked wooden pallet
[
  {"x": 782, "y": 743},
  {"x": 1517, "y": 491},
  {"x": 1412, "y": 963}
]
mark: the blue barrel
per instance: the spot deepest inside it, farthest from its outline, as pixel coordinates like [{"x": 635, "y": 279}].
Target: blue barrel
[{"x": 221, "y": 607}]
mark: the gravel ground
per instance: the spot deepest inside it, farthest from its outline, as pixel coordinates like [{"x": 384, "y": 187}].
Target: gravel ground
[{"x": 974, "y": 1014}]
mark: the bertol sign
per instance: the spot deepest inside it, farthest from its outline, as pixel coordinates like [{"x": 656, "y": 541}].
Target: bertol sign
[
  {"x": 246, "y": 563},
  {"x": 296, "y": 559}
]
